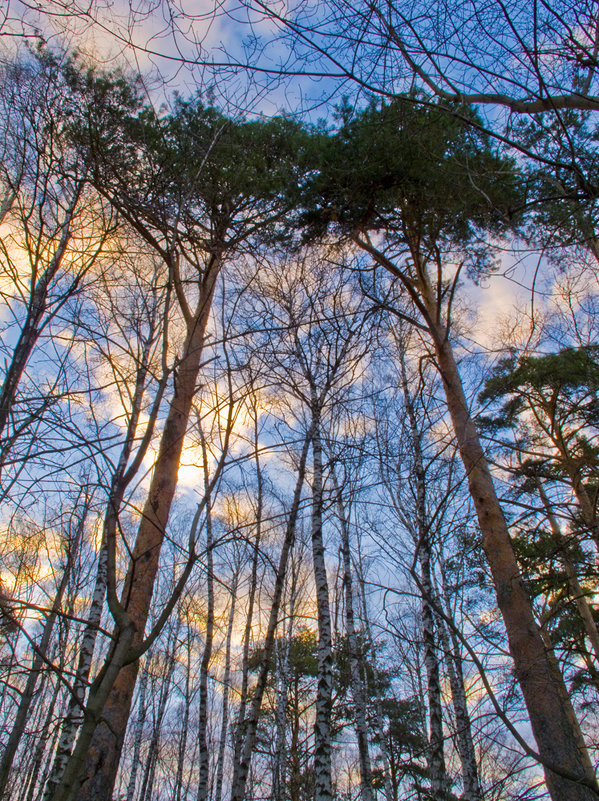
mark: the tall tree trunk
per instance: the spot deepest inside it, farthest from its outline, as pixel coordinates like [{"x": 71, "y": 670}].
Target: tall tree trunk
[
  {"x": 421, "y": 534},
  {"x": 241, "y": 764},
  {"x": 360, "y": 718},
  {"x": 556, "y": 731},
  {"x": 122, "y": 477},
  {"x": 323, "y": 790},
  {"x": 224, "y": 724},
  {"x": 243, "y": 694},
  {"x": 559, "y": 740},
  {"x": 203, "y": 754},
  {"x": 92, "y": 768},
  {"x": 28, "y": 785},
  {"x": 280, "y": 764},
  {"x": 74, "y": 711},
  {"x": 390, "y": 793},
  {"x": 47, "y": 740},
  {"x": 465, "y": 741},
  {"x": 182, "y": 747}
]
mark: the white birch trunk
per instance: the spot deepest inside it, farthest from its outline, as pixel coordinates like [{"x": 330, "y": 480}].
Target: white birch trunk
[{"x": 323, "y": 789}]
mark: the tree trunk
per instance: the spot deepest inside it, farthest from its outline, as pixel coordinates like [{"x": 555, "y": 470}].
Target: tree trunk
[
  {"x": 578, "y": 595},
  {"x": 422, "y": 534},
  {"x": 34, "y": 319},
  {"x": 323, "y": 790},
  {"x": 360, "y": 718},
  {"x": 390, "y": 793},
  {"x": 224, "y": 724},
  {"x": 92, "y": 769},
  {"x": 280, "y": 764},
  {"x": 203, "y": 755},
  {"x": 147, "y": 787},
  {"x": 74, "y": 712},
  {"x": 123, "y": 475},
  {"x": 552, "y": 718},
  {"x": 182, "y": 747},
  {"x": 243, "y": 694},
  {"x": 465, "y": 742},
  {"x": 39, "y": 657}
]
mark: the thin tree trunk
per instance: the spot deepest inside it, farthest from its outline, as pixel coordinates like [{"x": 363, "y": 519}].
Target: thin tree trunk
[
  {"x": 73, "y": 715},
  {"x": 360, "y": 718},
  {"x": 578, "y": 594},
  {"x": 239, "y": 730},
  {"x": 241, "y": 765},
  {"x": 280, "y": 763},
  {"x": 147, "y": 788},
  {"x": 465, "y": 741},
  {"x": 390, "y": 792},
  {"x": 45, "y": 738},
  {"x": 184, "y": 727},
  {"x": 220, "y": 762},
  {"x": 421, "y": 533},
  {"x": 323, "y": 790},
  {"x": 34, "y": 319},
  {"x": 203, "y": 754}
]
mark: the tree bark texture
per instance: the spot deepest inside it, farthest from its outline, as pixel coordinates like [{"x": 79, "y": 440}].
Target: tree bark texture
[{"x": 323, "y": 790}]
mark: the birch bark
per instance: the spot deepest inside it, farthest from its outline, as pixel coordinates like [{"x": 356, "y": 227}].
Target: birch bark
[{"x": 323, "y": 789}]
